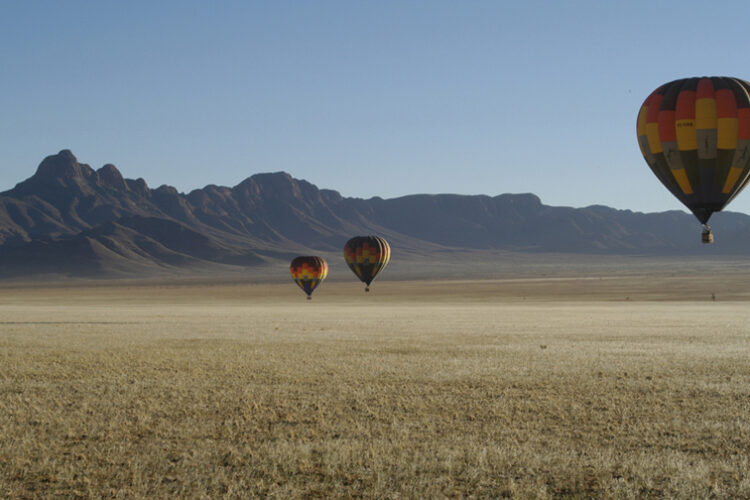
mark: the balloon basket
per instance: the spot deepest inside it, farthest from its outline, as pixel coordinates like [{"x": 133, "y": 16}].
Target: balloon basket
[
  {"x": 707, "y": 236},
  {"x": 367, "y": 289},
  {"x": 309, "y": 298}
]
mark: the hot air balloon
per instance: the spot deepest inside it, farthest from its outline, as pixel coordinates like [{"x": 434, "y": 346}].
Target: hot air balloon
[
  {"x": 695, "y": 135},
  {"x": 366, "y": 256},
  {"x": 308, "y": 273}
]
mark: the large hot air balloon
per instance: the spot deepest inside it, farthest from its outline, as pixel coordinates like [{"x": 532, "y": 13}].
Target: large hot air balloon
[
  {"x": 308, "y": 272},
  {"x": 695, "y": 135},
  {"x": 366, "y": 256}
]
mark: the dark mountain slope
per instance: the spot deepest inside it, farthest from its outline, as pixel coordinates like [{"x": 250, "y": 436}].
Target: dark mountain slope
[
  {"x": 72, "y": 218},
  {"x": 130, "y": 245}
]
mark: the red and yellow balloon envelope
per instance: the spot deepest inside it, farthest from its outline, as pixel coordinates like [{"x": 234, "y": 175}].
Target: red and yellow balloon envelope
[
  {"x": 695, "y": 135},
  {"x": 366, "y": 256},
  {"x": 308, "y": 273}
]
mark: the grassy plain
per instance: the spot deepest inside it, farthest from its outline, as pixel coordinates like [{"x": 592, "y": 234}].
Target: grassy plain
[{"x": 623, "y": 386}]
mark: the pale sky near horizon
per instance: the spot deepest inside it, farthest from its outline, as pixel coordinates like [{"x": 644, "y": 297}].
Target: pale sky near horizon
[{"x": 370, "y": 98}]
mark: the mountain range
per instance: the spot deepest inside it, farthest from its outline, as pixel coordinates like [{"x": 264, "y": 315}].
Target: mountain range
[{"x": 71, "y": 219}]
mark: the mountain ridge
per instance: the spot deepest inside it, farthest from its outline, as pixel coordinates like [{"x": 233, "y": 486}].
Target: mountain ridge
[{"x": 71, "y": 217}]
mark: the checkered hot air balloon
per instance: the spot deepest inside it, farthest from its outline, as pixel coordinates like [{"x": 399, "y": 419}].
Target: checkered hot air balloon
[
  {"x": 366, "y": 256},
  {"x": 695, "y": 135},
  {"x": 308, "y": 273}
]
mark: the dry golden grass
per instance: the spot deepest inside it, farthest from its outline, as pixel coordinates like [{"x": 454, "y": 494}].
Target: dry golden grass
[{"x": 556, "y": 388}]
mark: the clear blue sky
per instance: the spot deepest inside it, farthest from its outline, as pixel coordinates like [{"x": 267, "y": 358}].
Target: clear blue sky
[{"x": 369, "y": 98}]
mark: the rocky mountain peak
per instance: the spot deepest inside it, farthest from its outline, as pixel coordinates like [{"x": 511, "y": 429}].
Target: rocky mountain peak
[
  {"x": 279, "y": 186},
  {"x": 110, "y": 176},
  {"x": 63, "y": 165},
  {"x": 274, "y": 185}
]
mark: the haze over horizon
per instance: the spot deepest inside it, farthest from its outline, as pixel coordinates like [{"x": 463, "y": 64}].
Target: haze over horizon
[{"x": 370, "y": 99}]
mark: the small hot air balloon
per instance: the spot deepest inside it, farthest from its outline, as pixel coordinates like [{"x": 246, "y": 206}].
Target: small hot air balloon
[
  {"x": 308, "y": 273},
  {"x": 366, "y": 256},
  {"x": 695, "y": 135}
]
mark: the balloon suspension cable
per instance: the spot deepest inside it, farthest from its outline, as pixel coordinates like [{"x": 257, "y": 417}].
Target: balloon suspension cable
[
  {"x": 367, "y": 289},
  {"x": 707, "y": 236}
]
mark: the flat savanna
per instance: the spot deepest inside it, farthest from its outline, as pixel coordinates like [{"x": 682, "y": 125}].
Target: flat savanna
[{"x": 626, "y": 386}]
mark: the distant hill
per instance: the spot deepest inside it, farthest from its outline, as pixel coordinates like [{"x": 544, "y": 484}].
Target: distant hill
[{"x": 73, "y": 220}]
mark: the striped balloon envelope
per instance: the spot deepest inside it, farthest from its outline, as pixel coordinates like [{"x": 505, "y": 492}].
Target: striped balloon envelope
[
  {"x": 695, "y": 135},
  {"x": 366, "y": 256},
  {"x": 308, "y": 273}
]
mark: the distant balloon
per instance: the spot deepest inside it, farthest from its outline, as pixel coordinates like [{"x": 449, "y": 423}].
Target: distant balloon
[
  {"x": 308, "y": 273},
  {"x": 695, "y": 135},
  {"x": 366, "y": 256}
]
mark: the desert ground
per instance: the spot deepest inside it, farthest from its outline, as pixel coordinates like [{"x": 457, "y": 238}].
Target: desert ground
[{"x": 604, "y": 385}]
